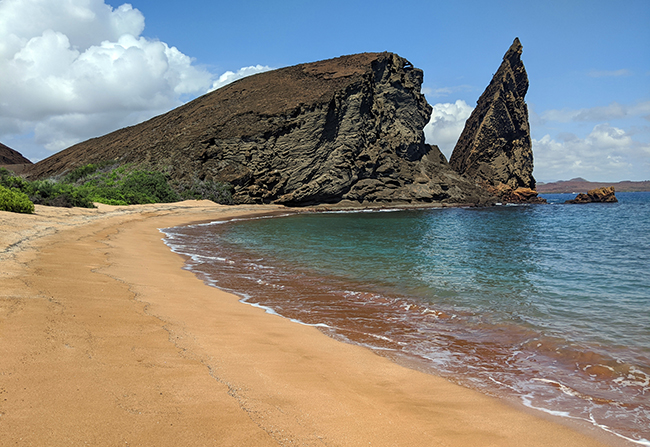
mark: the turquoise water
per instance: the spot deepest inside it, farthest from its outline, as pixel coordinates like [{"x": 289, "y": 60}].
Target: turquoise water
[{"x": 547, "y": 304}]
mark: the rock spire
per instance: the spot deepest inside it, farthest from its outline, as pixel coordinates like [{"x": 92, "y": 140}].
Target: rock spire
[{"x": 495, "y": 147}]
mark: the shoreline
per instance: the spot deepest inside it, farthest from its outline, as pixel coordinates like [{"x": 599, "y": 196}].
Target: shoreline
[
  {"x": 215, "y": 271},
  {"x": 106, "y": 339}
]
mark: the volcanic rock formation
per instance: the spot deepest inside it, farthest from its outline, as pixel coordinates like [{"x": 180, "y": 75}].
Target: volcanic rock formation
[
  {"x": 495, "y": 147},
  {"x": 599, "y": 195},
  {"x": 346, "y": 128},
  {"x": 9, "y": 156}
]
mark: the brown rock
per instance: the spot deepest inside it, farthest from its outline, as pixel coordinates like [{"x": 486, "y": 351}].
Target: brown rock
[
  {"x": 519, "y": 195},
  {"x": 495, "y": 147},
  {"x": 526, "y": 195},
  {"x": 349, "y": 128},
  {"x": 600, "y": 195},
  {"x": 9, "y": 156}
]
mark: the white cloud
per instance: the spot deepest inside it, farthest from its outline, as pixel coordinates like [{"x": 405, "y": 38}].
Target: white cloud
[
  {"x": 84, "y": 22},
  {"x": 607, "y": 154},
  {"x": 446, "y": 124},
  {"x": 75, "y": 69},
  {"x": 231, "y": 76},
  {"x": 595, "y": 114}
]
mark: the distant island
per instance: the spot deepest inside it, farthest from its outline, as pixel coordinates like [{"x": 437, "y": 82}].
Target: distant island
[{"x": 577, "y": 185}]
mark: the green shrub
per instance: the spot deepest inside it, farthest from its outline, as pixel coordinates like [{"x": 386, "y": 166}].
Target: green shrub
[
  {"x": 51, "y": 193},
  {"x": 107, "y": 183},
  {"x": 9, "y": 180},
  {"x": 147, "y": 187},
  {"x": 15, "y": 201},
  {"x": 123, "y": 186},
  {"x": 4, "y": 175},
  {"x": 79, "y": 173}
]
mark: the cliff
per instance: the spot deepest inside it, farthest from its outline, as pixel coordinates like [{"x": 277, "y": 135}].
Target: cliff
[
  {"x": 495, "y": 148},
  {"x": 349, "y": 128}
]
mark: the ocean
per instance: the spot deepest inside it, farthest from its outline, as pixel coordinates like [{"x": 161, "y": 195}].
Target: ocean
[{"x": 548, "y": 305}]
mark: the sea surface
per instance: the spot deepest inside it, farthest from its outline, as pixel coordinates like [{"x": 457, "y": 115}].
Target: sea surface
[{"x": 548, "y": 305}]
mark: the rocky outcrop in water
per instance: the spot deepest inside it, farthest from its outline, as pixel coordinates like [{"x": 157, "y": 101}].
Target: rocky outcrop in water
[
  {"x": 349, "y": 128},
  {"x": 8, "y": 156},
  {"x": 495, "y": 147},
  {"x": 600, "y": 195}
]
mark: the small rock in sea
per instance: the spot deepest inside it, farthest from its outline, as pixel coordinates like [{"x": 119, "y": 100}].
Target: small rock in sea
[{"x": 600, "y": 195}]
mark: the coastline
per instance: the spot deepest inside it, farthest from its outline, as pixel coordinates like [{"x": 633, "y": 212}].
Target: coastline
[{"x": 105, "y": 339}]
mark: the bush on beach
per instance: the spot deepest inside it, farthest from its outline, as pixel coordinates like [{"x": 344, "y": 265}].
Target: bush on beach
[
  {"x": 46, "y": 192},
  {"x": 114, "y": 185},
  {"x": 15, "y": 201}
]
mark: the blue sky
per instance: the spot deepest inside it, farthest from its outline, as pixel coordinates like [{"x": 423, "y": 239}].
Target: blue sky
[{"x": 75, "y": 69}]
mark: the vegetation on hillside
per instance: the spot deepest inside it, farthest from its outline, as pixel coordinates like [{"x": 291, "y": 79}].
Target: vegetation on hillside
[{"x": 110, "y": 184}]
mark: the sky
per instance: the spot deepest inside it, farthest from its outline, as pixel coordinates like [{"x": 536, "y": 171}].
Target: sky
[{"x": 71, "y": 70}]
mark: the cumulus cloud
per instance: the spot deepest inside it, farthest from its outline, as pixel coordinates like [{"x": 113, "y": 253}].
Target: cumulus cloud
[
  {"x": 76, "y": 69},
  {"x": 231, "y": 76},
  {"x": 607, "y": 154},
  {"x": 446, "y": 124},
  {"x": 79, "y": 68}
]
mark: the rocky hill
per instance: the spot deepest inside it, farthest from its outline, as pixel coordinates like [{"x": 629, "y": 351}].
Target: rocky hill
[
  {"x": 9, "y": 156},
  {"x": 495, "y": 148},
  {"x": 349, "y": 128},
  {"x": 580, "y": 185}
]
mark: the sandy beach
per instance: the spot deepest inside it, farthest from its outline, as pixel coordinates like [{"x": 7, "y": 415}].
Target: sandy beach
[{"x": 105, "y": 340}]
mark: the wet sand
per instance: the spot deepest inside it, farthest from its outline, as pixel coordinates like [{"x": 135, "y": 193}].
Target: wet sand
[{"x": 106, "y": 340}]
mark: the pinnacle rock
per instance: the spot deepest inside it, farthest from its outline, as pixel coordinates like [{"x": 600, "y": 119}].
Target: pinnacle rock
[{"x": 495, "y": 147}]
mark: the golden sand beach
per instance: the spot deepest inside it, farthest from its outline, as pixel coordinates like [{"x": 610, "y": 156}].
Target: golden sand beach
[{"x": 106, "y": 341}]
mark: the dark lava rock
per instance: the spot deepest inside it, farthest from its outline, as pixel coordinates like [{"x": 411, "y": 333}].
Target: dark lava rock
[
  {"x": 495, "y": 147},
  {"x": 349, "y": 128},
  {"x": 600, "y": 195},
  {"x": 9, "y": 156}
]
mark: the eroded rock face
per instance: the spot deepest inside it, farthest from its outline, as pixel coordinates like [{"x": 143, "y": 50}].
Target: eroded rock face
[
  {"x": 599, "y": 195},
  {"x": 495, "y": 147},
  {"x": 349, "y": 128}
]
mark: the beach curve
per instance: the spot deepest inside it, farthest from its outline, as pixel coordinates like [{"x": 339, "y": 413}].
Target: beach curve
[{"x": 106, "y": 340}]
